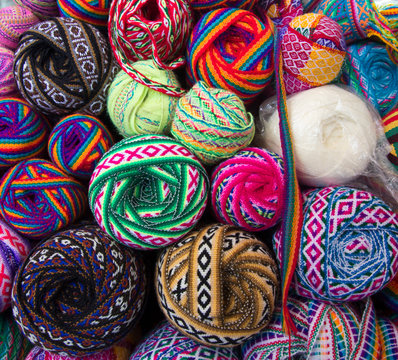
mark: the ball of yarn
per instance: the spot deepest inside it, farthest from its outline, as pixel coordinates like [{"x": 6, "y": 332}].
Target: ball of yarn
[
  {"x": 206, "y": 5},
  {"x": 165, "y": 342},
  {"x": 77, "y": 143},
  {"x": 313, "y": 52},
  {"x": 323, "y": 332},
  {"x": 347, "y": 245},
  {"x": 212, "y": 123},
  {"x": 63, "y": 66},
  {"x": 37, "y": 198},
  {"x": 13, "y": 345},
  {"x": 149, "y": 29},
  {"x": 247, "y": 190},
  {"x": 13, "y": 251},
  {"x": 390, "y": 123},
  {"x": 91, "y": 12},
  {"x": 218, "y": 285},
  {"x": 7, "y": 81},
  {"x": 136, "y": 108},
  {"x": 91, "y": 292},
  {"x": 388, "y": 333},
  {"x": 41, "y": 8},
  {"x": 14, "y": 21},
  {"x": 233, "y": 50},
  {"x": 148, "y": 191},
  {"x": 334, "y": 135},
  {"x": 23, "y": 132},
  {"x": 370, "y": 72}
]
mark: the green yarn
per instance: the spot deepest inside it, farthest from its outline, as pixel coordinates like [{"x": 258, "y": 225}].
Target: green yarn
[
  {"x": 212, "y": 123},
  {"x": 137, "y": 109}
]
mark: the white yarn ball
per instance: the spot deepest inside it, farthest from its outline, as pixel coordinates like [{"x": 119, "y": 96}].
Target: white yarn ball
[{"x": 333, "y": 131}]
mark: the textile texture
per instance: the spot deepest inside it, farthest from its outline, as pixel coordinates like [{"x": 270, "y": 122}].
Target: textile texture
[
  {"x": 390, "y": 124},
  {"x": 7, "y": 80}
]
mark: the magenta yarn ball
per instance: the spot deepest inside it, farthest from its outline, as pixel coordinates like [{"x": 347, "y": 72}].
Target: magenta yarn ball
[
  {"x": 14, "y": 21},
  {"x": 248, "y": 189},
  {"x": 7, "y": 82}
]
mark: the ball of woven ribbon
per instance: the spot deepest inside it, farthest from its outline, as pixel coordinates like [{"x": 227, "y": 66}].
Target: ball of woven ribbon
[
  {"x": 313, "y": 52},
  {"x": 64, "y": 66},
  {"x": 13, "y": 345},
  {"x": 281, "y": 12},
  {"x": 165, "y": 342},
  {"x": 136, "y": 108},
  {"x": 77, "y": 143},
  {"x": 212, "y": 123},
  {"x": 7, "y": 80},
  {"x": 149, "y": 29},
  {"x": 148, "y": 191},
  {"x": 323, "y": 332},
  {"x": 206, "y": 5},
  {"x": 390, "y": 124},
  {"x": 41, "y": 8},
  {"x": 347, "y": 245},
  {"x": 233, "y": 50},
  {"x": 23, "y": 132},
  {"x": 91, "y": 292},
  {"x": 91, "y": 12},
  {"x": 13, "y": 251},
  {"x": 14, "y": 21},
  {"x": 217, "y": 285},
  {"x": 38, "y": 199},
  {"x": 334, "y": 135},
  {"x": 247, "y": 190},
  {"x": 388, "y": 334},
  {"x": 371, "y": 73}
]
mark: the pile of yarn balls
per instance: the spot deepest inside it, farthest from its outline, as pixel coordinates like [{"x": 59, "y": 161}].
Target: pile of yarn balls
[{"x": 144, "y": 179}]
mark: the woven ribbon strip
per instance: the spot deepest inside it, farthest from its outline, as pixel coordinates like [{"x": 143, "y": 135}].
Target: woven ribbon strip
[
  {"x": 148, "y": 191},
  {"x": 63, "y": 65},
  {"x": 388, "y": 333},
  {"x": 79, "y": 292},
  {"x": 191, "y": 273},
  {"x": 390, "y": 123}
]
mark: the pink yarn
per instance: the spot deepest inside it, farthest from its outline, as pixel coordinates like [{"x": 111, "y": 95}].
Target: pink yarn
[
  {"x": 247, "y": 189},
  {"x": 14, "y": 21},
  {"x": 7, "y": 82}
]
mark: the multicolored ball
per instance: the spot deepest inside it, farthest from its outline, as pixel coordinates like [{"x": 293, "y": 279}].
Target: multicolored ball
[
  {"x": 371, "y": 73},
  {"x": 206, "y": 5},
  {"x": 91, "y": 292},
  {"x": 13, "y": 251},
  {"x": 64, "y": 66},
  {"x": 77, "y": 143},
  {"x": 347, "y": 246},
  {"x": 165, "y": 342},
  {"x": 149, "y": 29},
  {"x": 41, "y": 8},
  {"x": 136, "y": 107},
  {"x": 91, "y": 12},
  {"x": 7, "y": 81},
  {"x": 390, "y": 123},
  {"x": 38, "y": 199},
  {"x": 313, "y": 52},
  {"x": 23, "y": 132},
  {"x": 13, "y": 345},
  {"x": 14, "y": 21},
  {"x": 233, "y": 50},
  {"x": 148, "y": 191},
  {"x": 218, "y": 285},
  {"x": 247, "y": 190},
  {"x": 323, "y": 332},
  {"x": 212, "y": 123}
]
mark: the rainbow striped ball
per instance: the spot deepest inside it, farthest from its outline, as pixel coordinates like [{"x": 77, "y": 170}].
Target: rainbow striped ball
[
  {"x": 14, "y": 21},
  {"x": 148, "y": 191},
  {"x": 233, "y": 50},
  {"x": 23, "y": 132},
  {"x": 38, "y": 199},
  {"x": 247, "y": 189},
  {"x": 92, "y": 12},
  {"x": 7, "y": 81},
  {"x": 212, "y": 123},
  {"x": 206, "y": 5},
  {"x": 13, "y": 251},
  {"x": 77, "y": 144}
]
